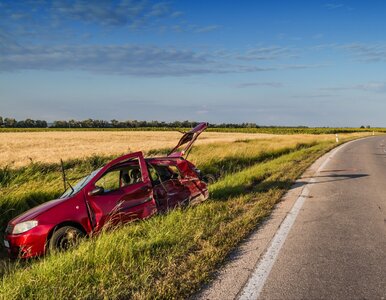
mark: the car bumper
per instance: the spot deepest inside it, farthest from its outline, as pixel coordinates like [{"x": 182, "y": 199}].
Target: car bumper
[{"x": 28, "y": 244}]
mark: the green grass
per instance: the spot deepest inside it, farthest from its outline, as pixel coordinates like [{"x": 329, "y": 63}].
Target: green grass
[
  {"x": 168, "y": 256},
  {"x": 26, "y": 187}
]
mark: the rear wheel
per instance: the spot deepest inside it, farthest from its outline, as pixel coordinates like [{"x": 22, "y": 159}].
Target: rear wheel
[
  {"x": 65, "y": 238},
  {"x": 209, "y": 178}
]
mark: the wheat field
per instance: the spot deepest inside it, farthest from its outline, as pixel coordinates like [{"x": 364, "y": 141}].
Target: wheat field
[{"x": 21, "y": 148}]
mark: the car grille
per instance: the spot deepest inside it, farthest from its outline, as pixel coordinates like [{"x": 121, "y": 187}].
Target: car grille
[{"x": 9, "y": 228}]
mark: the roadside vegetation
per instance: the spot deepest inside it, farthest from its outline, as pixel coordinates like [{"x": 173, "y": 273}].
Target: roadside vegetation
[{"x": 167, "y": 256}]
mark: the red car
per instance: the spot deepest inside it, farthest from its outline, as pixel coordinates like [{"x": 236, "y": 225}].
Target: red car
[{"x": 128, "y": 188}]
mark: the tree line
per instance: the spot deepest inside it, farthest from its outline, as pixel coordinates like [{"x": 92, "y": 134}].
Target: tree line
[
  {"x": 91, "y": 123},
  {"x": 27, "y": 123}
]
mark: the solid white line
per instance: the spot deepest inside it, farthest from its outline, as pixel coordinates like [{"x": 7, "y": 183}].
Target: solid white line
[{"x": 257, "y": 280}]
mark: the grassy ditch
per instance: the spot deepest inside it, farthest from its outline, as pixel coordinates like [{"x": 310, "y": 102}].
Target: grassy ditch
[
  {"x": 29, "y": 186},
  {"x": 168, "y": 256}
]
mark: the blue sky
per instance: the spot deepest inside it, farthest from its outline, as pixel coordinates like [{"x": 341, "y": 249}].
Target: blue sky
[{"x": 315, "y": 63}]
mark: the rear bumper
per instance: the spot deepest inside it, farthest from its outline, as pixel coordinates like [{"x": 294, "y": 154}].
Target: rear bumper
[{"x": 28, "y": 244}]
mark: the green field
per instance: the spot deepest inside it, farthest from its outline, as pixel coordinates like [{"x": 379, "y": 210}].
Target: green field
[{"x": 168, "y": 256}]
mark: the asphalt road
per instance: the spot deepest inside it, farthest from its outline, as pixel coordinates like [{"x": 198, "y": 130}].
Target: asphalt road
[{"x": 336, "y": 248}]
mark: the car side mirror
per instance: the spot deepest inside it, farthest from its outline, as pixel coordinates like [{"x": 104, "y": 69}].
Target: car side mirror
[{"x": 96, "y": 191}]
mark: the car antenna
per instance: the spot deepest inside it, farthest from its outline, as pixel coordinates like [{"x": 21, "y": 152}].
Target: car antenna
[{"x": 65, "y": 182}]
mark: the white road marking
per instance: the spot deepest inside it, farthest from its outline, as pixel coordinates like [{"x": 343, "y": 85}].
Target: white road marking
[{"x": 256, "y": 282}]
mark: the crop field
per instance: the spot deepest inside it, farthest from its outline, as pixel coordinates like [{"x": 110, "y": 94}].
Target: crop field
[
  {"x": 21, "y": 148},
  {"x": 168, "y": 256}
]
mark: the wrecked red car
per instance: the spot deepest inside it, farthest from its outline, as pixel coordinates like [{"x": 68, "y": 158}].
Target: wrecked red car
[{"x": 128, "y": 188}]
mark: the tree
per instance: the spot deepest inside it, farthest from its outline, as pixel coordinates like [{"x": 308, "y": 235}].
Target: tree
[
  {"x": 114, "y": 123},
  {"x": 1, "y": 121},
  {"x": 10, "y": 122}
]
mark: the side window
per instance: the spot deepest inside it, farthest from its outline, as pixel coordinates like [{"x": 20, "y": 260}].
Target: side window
[
  {"x": 164, "y": 172},
  {"x": 109, "y": 181},
  {"x": 153, "y": 174},
  {"x": 175, "y": 172},
  {"x": 131, "y": 173}
]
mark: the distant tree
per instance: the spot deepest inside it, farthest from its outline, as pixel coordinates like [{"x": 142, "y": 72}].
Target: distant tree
[
  {"x": 29, "y": 123},
  {"x": 87, "y": 123},
  {"x": 10, "y": 122},
  {"x": 60, "y": 124},
  {"x": 368, "y": 126},
  {"x": 20, "y": 124},
  {"x": 73, "y": 124},
  {"x": 362, "y": 126},
  {"x": 1, "y": 121},
  {"x": 40, "y": 124},
  {"x": 114, "y": 123}
]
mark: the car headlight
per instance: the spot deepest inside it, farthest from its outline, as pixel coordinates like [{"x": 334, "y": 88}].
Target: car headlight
[{"x": 24, "y": 226}]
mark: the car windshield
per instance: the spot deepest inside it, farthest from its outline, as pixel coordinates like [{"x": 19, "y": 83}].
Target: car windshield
[{"x": 79, "y": 185}]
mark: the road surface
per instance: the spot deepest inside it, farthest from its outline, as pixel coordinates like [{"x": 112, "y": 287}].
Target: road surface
[{"x": 335, "y": 247}]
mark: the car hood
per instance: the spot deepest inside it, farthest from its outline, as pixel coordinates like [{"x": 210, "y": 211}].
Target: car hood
[
  {"x": 34, "y": 212},
  {"x": 188, "y": 139}
]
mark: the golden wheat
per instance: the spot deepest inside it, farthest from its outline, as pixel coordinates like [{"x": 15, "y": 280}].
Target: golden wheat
[{"x": 20, "y": 148}]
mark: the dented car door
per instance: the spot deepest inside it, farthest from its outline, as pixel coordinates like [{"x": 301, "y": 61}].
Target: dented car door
[{"x": 121, "y": 192}]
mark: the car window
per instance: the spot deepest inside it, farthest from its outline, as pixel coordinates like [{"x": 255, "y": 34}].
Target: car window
[
  {"x": 153, "y": 174},
  {"x": 110, "y": 181},
  {"x": 164, "y": 172},
  {"x": 131, "y": 173},
  {"x": 175, "y": 172}
]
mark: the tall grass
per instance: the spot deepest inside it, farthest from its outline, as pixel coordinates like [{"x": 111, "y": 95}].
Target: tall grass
[{"x": 26, "y": 187}]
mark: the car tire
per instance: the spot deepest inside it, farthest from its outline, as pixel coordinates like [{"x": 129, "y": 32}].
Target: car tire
[
  {"x": 209, "y": 179},
  {"x": 64, "y": 238}
]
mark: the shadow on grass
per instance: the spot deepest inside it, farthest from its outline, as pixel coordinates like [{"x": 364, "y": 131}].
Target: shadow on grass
[
  {"x": 262, "y": 185},
  {"x": 221, "y": 167},
  {"x": 258, "y": 186}
]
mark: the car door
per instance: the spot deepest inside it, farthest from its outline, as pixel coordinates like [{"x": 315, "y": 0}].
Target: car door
[
  {"x": 114, "y": 197},
  {"x": 178, "y": 193},
  {"x": 168, "y": 190}
]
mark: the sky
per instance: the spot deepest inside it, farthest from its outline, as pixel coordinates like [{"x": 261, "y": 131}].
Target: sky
[{"x": 312, "y": 63}]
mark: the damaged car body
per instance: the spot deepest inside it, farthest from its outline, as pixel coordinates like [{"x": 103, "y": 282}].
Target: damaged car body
[{"x": 128, "y": 188}]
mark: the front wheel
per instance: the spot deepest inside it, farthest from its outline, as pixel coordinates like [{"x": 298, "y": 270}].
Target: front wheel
[{"x": 65, "y": 238}]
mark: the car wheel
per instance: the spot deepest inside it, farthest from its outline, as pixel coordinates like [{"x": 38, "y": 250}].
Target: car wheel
[
  {"x": 65, "y": 238},
  {"x": 209, "y": 178}
]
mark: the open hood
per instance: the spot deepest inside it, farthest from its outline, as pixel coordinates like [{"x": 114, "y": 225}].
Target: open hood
[{"x": 187, "y": 140}]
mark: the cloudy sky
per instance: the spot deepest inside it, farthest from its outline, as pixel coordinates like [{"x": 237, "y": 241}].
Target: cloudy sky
[{"x": 315, "y": 63}]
